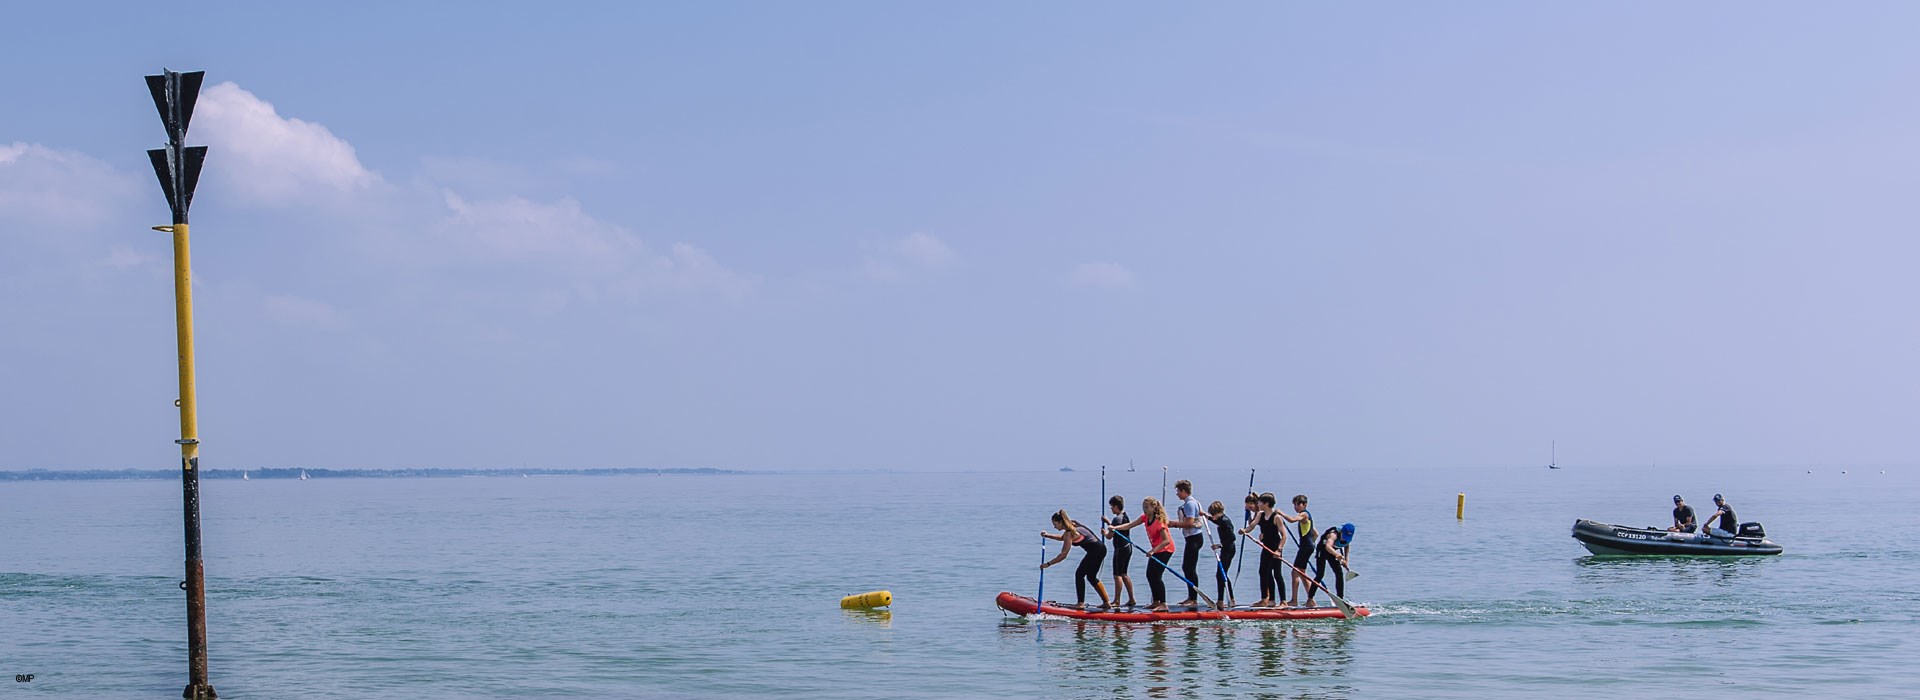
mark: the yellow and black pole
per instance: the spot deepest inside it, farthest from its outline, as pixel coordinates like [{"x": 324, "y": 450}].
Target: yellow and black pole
[{"x": 178, "y": 166}]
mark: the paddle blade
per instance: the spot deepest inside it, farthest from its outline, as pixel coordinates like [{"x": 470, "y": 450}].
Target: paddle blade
[
  {"x": 1351, "y": 574},
  {"x": 1346, "y": 609}
]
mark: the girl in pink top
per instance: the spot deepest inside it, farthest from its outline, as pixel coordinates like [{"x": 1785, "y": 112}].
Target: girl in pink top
[{"x": 1154, "y": 517}]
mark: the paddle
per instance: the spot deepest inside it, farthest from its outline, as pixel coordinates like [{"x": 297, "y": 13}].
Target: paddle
[
  {"x": 1102, "y": 512},
  {"x": 1245, "y": 521},
  {"x": 1346, "y": 609},
  {"x": 1346, "y": 541},
  {"x": 1040, "y": 596},
  {"x": 1152, "y": 561}
]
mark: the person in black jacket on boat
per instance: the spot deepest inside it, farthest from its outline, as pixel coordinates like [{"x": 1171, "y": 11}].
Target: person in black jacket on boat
[
  {"x": 1729, "y": 524},
  {"x": 1682, "y": 516}
]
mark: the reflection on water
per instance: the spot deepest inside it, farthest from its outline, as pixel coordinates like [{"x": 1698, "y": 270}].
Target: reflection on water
[
  {"x": 1264, "y": 659},
  {"x": 1678, "y": 571},
  {"x": 876, "y": 617}
]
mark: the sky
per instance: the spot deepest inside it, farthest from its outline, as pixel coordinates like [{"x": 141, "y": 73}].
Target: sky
[{"x": 844, "y": 235}]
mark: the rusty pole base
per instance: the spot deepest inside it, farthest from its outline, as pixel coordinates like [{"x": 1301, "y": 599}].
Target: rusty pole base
[{"x": 202, "y": 691}]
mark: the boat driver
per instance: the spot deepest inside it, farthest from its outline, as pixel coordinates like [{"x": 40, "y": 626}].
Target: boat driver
[
  {"x": 1682, "y": 516},
  {"x": 1728, "y": 523}
]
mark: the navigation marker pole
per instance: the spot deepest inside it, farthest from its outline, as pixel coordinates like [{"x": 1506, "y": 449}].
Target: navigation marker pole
[{"x": 178, "y": 166}]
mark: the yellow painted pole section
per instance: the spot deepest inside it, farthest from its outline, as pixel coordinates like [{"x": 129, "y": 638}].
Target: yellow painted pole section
[
  {"x": 1460, "y": 507},
  {"x": 183, "y": 327}
]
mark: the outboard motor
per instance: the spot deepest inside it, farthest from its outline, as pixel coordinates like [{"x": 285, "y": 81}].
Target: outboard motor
[{"x": 1753, "y": 530}]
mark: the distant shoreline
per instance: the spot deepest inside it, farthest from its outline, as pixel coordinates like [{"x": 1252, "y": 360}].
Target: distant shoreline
[{"x": 295, "y": 472}]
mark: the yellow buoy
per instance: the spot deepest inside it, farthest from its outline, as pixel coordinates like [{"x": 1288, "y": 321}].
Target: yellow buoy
[
  {"x": 1460, "y": 508},
  {"x": 876, "y": 599}
]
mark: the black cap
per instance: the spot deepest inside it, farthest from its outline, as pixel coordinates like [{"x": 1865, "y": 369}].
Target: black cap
[
  {"x": 1677, "y": 498},
  {"x": 1718, "y": 498}
]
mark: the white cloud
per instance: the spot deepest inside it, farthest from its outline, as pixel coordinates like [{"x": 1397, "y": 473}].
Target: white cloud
[
  {"x": 271, "y": 158},
  {"x": 295, "y": 312},
  {"x": 558, "y": 247},
  {"x": 593, "y": 255},
  {"x": 890, "y": 262},
  {"x": 494, "y": 242},
  {"x": 1102, "y": 274},
  {"x": 515, "y": 228},
  {"x": 926, "y": 250},
  {"x": 686, "y": 269},
  {"x": 41, "y": 187}
]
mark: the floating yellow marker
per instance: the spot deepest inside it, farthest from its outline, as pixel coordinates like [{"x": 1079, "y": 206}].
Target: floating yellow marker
[
  {"x": 876, "y": 599},
  {"x": 1460, "y": 507}
]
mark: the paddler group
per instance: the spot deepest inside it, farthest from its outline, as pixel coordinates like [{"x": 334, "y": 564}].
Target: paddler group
[
  {"x": 1326, "y": 549},
  {"x": 1272, "y": 525}
]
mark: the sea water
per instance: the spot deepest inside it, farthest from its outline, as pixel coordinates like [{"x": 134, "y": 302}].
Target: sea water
[{"x": 727, "y": 586}]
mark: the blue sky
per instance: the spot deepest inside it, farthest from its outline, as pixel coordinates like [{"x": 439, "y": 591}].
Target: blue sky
[{"x": 860, "y": 235}]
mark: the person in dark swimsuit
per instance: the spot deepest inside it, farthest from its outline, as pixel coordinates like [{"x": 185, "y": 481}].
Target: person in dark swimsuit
[
  {"x": 1265, "y": 520},
  {"x": 1302, "y": 557},
  {"x": 1072, "y": 535},
  {"x": 1122, "y": 554},
  {"x": 1223, "y": 526},
  {"x": 1682, "y": 516},
  {"x": 1160, "y": 548},
  {"x": 1329, "y": 553}
]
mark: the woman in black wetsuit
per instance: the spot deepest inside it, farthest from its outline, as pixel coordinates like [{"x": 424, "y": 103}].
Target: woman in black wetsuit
[
  {"x": 1223, "y": 587},
  {"x": 1269, "y": 523},
  {"x": 1074, "y": 534},
  {"x": 1122, "y": 554}
]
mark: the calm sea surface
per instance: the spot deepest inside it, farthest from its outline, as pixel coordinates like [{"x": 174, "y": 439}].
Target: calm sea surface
[{"x": 727, "y": 586}]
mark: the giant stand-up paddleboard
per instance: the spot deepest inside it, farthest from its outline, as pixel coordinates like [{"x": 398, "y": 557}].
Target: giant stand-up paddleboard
[{"x": 1022, "y": 605}]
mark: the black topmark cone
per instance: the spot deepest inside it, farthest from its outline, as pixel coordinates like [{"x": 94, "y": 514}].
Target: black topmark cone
[{"x": 178, "y": 167}]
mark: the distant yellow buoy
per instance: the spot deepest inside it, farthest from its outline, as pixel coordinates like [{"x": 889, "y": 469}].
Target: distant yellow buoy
[
  {"x": 1460, "y": 507},
  {"x": 876, "y": 599}
]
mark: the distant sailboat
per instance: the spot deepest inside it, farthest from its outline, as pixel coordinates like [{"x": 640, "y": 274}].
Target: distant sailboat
[
  {"x": 303, "y": 475},
  {"x": 1129, "y": 465},
  {"x": 243, "y": 476},
  {"x": 1066, "y": 469},
  {"x": 1554, "y": 461}
]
